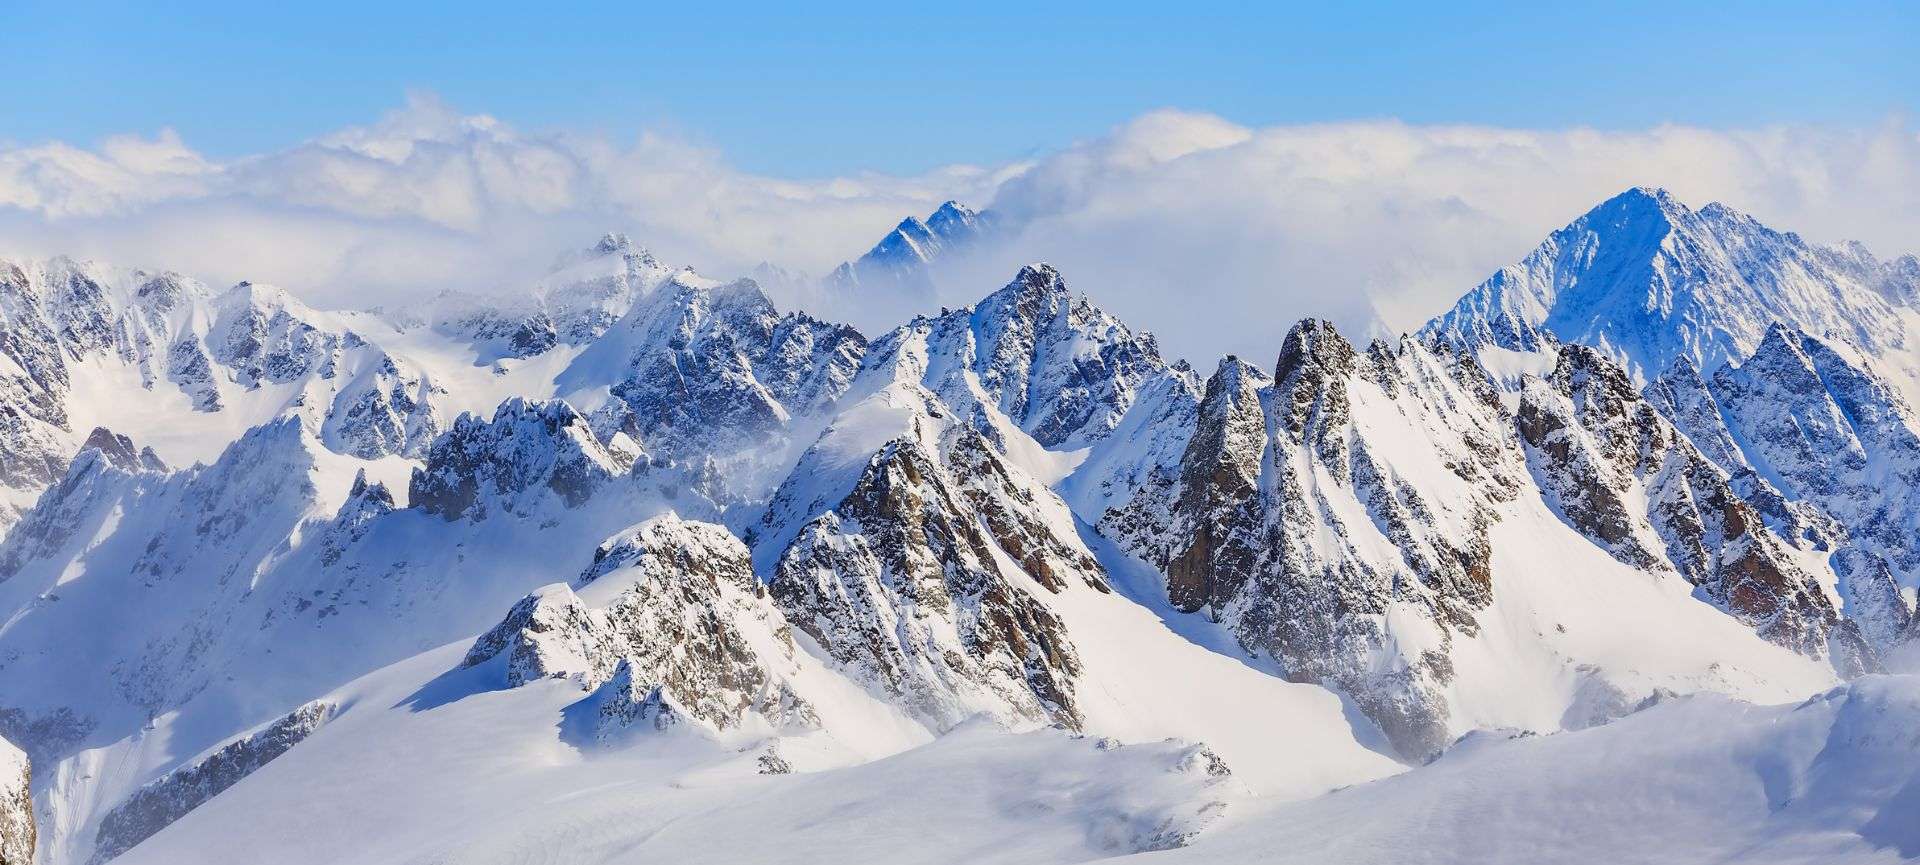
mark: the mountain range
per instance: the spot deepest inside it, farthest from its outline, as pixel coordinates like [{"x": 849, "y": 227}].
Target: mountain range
[{"x": 634, "y": 564}]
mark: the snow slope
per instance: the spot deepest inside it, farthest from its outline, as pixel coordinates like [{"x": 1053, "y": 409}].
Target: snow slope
[
  {"x": 1833, "y": 779},
  {"x": 1647, "y": 280},
  {"x": 639, "y": 566}
]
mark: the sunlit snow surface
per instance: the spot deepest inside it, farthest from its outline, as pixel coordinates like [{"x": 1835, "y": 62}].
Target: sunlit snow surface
[{"x": 211, "y": 599}]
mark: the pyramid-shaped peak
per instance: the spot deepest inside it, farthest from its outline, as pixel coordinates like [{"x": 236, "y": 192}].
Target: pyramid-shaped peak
[
  {"x": 952, "y": 214},
  {"x": 1781, "y": 336},
  {"x": 1682, "y": 369},
  {"x": 953, "y": 208},
  {"x": 612, "y": 242},
  {"x": 1638, "y": 205},
  {"x": 1233, "y": 371},
  {"x": 1781, "y": 355},
  {"x": 1313, "y": 342},
  {"x": 1040, "y": 276},
  {"x": 1036, "y": 281}
]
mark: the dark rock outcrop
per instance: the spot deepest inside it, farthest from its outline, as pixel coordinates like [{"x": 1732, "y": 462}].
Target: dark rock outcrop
[
  {"x": 901, "y": 584},
  {"x": 691, "y": 637},
  {"x": 158, "y": 804},
  {"x": 526, "y": 453}
]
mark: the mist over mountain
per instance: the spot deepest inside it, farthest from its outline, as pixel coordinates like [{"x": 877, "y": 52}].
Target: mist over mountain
[
  {"x": 628, "y": 561},
  {"x": 1169, "y": 216}
]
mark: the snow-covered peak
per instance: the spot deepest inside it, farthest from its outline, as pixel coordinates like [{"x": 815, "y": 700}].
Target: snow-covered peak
[
  {"x": 119, "y": 450},
  {"x": 699, "y": 369},
  {"x": 955, "y": 220},
  {"x": 1054, "y": 364},
  {"x": 901, "y": 260},
  {"x": 262, "y": 296},
  {"x": 588, "y": 291},
  {"x": 479, "y": 466},
  {"x": 613, "y": 242},
  {"x": 1646, "y": 280}
]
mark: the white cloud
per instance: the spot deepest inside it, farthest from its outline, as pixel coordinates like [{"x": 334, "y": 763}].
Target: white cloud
[
  {"x": 1216, "y": 235},
  {"x": 1220, "y": 237},
  {"x": 428, "y": 198}
]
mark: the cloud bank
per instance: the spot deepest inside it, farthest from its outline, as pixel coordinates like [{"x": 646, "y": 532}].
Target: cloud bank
[{"x": 1215, "y": 235}]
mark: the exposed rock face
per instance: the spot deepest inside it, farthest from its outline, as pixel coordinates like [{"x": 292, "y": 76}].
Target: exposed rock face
[
  {"x": 527, "y": 452},
  {"x": 119, "y": 452},
  {"x": 1145, "y": 448},
  {"x": 1057, "y": 366},
  {"x": 1285, "y": 504},
  {"x": 1872, "y": 600},
  {"x": 1827, "y": 453},
  {"x": 1601, "y": 454},
  {"x": 366, "y": 502},
  {"x": 1684, "y": 397},
  {"x": 1289, "y": 490},
  {"x": 17, "y": 836},
  {"x": 1829, "y": 433},
  {"x": 157, "y": 805},
  {"x": 703, "y": 369},
  {"x": 902, "y": 582},
  {"x": 60, "y": 319},
  {"x": 691, "y": 636},
  {"x": 1219, "y": 484},
  {"x": 361, "y": 400},
  {"x": 51, "y": 315}
]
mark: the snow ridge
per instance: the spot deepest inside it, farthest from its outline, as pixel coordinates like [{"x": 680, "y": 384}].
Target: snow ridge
[{"x": 674, "y": 539}]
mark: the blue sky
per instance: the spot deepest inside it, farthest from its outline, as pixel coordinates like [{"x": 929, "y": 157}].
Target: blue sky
[{"x": 902, "y": 87}]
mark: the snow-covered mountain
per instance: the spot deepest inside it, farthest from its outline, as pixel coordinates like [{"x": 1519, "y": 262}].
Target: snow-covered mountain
[
  {"x": 1648, "y": 281},
  {"x": 649, "y": 568},
  {"x": 580, "y": 298},
  {"x": 900, "y": 262},
  {"x": 89, "y": 345},
  {"x": 1377, "y": 521}
]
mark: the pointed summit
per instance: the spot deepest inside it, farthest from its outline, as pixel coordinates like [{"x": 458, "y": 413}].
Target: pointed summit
[
  {"x": 1037, "y": 278},
  {"x": 1647, "y": 280},
  {"x": 901, "y": 259},
  {"x": 613, "y": 242},
  {"x": 957, "y": 222}
]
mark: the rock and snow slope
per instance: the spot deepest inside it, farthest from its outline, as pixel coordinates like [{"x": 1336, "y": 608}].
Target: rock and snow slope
[
  {"x": 84, "y": 344},
  {"x": 87, "y": 345},
  {"x": 696, "y": 578},
  {"x": 17, "y": 837},
  {"x": 1648, "y": 281},
  {"x": 1381, "y": 522}
]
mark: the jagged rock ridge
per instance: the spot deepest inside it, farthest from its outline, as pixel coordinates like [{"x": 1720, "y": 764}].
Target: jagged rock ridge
[
  {"x": 154, "y": 806},
  {"x": 690, "y": 638}
]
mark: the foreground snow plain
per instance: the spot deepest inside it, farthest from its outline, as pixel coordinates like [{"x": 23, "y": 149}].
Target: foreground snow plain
[{"x": 486, "y": 778}]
